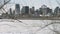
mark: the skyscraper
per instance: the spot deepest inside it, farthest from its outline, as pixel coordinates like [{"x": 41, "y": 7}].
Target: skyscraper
[
  {"x": 32, "y": 10},
  {"x": 57, "y": 11},
  {"x": 45, "y": 11},
  {"x": 10, "y": 11},
  {"x": 25, "y": 10},
  {"x": 13, "y": 12},
  {"x": 17, "y": 9}
]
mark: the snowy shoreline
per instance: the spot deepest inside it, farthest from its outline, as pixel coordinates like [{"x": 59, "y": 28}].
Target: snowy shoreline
[{"x": 11, "y": 26}]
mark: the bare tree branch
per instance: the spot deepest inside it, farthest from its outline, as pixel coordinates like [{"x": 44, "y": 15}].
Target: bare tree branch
[
  {"x": 57, "y": 32},
  {"x": 46, "y": 26},
  {"x": 22, "y": 22},
  {"x": 58, "y": 2},
  {"x": 4, "y": 9},
  {"x": 5, "y": 4}
]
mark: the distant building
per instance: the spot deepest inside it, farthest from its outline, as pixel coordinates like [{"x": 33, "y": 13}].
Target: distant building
[
  {"x": 10, "y": 11},
  {"x": 57, "y": 11},
  {"x": 45, "y": 11},
  {"x": 36, "y": 13},
  {"x": 14, "y": 12},
  {"x": 32, "y": 10},
  {"x": 17, "y": 9},
  {"x": 25, "y": 10},
  {"x": 49, "y": 12}
]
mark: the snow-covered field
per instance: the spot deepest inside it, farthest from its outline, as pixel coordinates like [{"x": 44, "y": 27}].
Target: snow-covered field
[{"x": 10, "y": 26}]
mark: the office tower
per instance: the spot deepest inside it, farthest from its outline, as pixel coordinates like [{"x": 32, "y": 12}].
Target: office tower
[
  {"x": 25, "y": 10},
  {"x": 32, "y": 10},
  {"x": 44, "y": 10},
  {"x": 57, "y": 11},
  {"x": 13, "y": 12},
  {"x": 37, "y": 12},
  {"x": 49, "y": 11},
  {"x": 10, "y": 11},
  {"x": 17, "y": 9}
]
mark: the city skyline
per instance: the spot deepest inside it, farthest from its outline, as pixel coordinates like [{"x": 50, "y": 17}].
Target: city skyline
[
  {"x": 26, "y": 11},
  {"x": 37, "y": 3}
]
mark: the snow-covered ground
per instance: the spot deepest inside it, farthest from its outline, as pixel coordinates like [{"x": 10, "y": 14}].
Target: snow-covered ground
[{"x": 10, "y": 26}]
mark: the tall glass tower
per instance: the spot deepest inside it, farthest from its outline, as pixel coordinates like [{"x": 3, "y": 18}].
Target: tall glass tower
[{"x": 17, "y": 9}]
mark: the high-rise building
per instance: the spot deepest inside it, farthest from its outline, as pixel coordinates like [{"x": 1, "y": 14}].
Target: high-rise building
[
  {"x": 25, "y": 10},
  {"x": 17, "y": 9},
  {"x": 49, "y": 11},
  {"x": 57, "y": 11},
  {"x": 10, "y": 11},
  {"x": 32, "y": 10},
  {"x": 36, "y": 13},
  {"x": 44, "y": 10},
  {"x": 13, "y": 12}
]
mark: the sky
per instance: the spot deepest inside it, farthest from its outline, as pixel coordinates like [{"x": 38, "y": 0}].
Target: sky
[{"x": 37, "y": 3}]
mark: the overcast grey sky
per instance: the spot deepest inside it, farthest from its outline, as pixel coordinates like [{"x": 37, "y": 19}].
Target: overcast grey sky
[{"x": 37, "y": 3}]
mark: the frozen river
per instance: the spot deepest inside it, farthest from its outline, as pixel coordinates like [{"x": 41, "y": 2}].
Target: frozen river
[{"x": 10, "y": 26}]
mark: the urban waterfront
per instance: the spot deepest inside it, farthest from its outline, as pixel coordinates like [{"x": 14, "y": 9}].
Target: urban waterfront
[
  {"x": 26, "y": 12},
  {"x": 29, "y": 17},
  {"x": 10, "y": 26}
]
